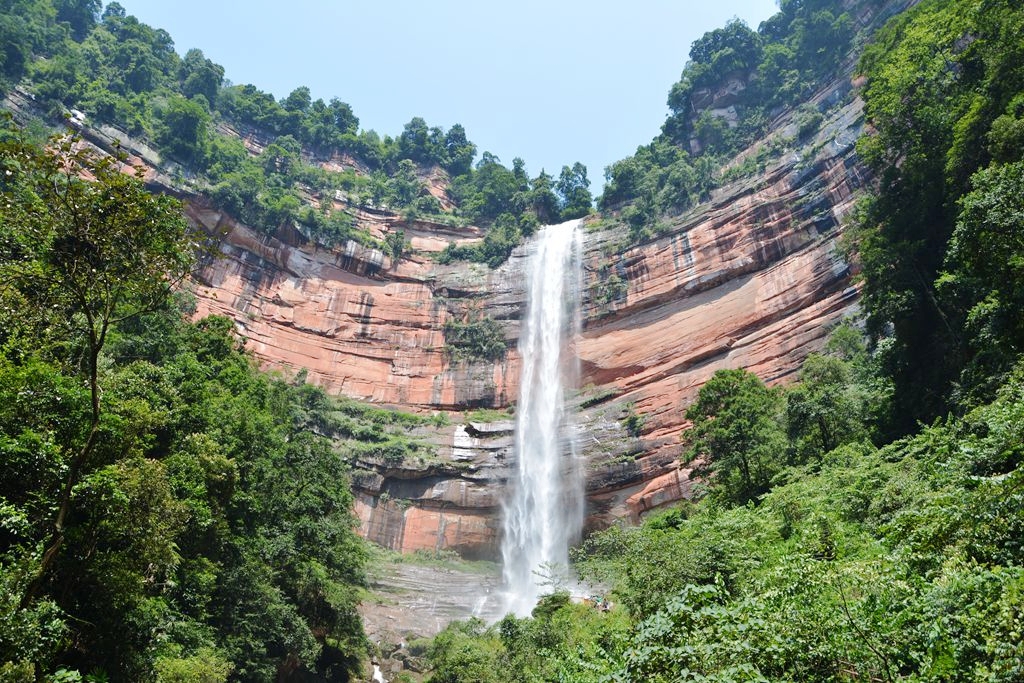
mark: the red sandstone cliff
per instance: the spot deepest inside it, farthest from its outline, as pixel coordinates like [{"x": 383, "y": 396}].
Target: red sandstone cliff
[{"x": 749, "y": 279}]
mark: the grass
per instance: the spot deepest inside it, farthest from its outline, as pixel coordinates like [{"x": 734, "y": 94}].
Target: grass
[
  {"x": 489, "y": 415},
  {"x": 436, "y": 559}
]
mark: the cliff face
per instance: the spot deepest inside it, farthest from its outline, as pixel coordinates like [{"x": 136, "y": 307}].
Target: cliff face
[
  {"x": 367, "y": 327},
  {"x": 359, "y": 323},
  {"x": 751, "y": 278}
]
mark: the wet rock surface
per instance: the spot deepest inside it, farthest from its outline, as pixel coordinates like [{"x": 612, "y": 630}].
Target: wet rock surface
[
  {"x": 415, "y": 601},
  {"x": 411, "y": 602}
]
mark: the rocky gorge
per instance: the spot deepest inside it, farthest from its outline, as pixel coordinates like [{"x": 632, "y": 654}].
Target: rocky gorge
[{"x": 753, "y": 277}]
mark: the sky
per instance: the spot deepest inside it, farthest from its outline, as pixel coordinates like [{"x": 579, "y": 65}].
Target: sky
[{"x": 551, "y": 81}]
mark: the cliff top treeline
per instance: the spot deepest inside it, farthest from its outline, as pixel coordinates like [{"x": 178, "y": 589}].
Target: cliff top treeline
[
  {"x": 735, "y": 86},
  {"x": 307, "y": 162}
]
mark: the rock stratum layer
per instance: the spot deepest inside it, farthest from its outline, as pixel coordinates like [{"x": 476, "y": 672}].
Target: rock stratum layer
[{"x": 752, "y": 278}]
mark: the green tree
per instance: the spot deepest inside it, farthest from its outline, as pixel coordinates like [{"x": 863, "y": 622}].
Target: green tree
[
  {"x": 396, "y": 243},
  {"x": 343, "y": 117},
  {"x": 298, "y": 100},
  {"x": 93, "y": 252},
  {"x": 416, "y": 142},
  {"x": 200, "y": 76},
  {"x": 826, "y": 409},
  {"x": 16, "y": 50},
  {"x": 924, "y": 79},
  {"x": 184, "y": 129},
  {"x": 403, "y": 186},
  {"x": 574, "y": 190},
  {"x": 81, "y": 15},
  {"x": 459, "y": 151},
  {"x": 984, "y": 275},
  {"x": 466, "y": 651},
  {"x": 737, "y": 434},
  {"x": 543, "y": 200},
  {"x": 480, "y": 338}
]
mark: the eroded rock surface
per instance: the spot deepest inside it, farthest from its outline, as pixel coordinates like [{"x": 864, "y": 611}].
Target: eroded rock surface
[{"x": 752, "y": 278}]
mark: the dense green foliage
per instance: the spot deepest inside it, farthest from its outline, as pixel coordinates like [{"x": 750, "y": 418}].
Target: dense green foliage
[
  {"x": 857, "y": 563},
  {"x": 838, "y": 537},
  {"x": 167, "y": 512},
  {"x": 735, "y": 434},
  {"x": 940, "y": 240},
  {"x": 480, "y": 338},
  {"x": 120, "y": 71},
  {"x": 755, "y": 76}
]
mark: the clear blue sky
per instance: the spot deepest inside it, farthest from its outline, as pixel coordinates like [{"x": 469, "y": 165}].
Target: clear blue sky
[{"x": 551, "y": 81}]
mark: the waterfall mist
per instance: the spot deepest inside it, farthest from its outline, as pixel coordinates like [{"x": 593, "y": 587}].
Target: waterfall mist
[{"x": 544, "y": 512}]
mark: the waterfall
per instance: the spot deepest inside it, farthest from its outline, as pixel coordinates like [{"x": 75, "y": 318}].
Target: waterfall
[{"x": 544, "y": 512}]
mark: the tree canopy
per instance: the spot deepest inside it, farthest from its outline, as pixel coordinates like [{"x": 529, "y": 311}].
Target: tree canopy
[
  {"x": 119, "y": 71},
  {"x": 166, "y": 511}
]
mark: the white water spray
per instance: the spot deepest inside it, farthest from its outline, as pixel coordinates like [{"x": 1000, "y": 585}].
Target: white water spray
[{"x": 544, "y": 512}]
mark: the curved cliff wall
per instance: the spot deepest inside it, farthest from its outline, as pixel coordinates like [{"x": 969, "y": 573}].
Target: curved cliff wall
[{"x": 752, "y": 278}]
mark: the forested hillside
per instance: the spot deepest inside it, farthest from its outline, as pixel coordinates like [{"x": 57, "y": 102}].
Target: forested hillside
[
  {"x": 294, "y": 161},
  {"x": 864, "y": 523},
  {"x": 167, "y": 511},
  {"x": 737, "y": 85}
]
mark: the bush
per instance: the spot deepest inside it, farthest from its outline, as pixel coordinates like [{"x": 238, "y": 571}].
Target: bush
[{"x": 481, "y": 339}]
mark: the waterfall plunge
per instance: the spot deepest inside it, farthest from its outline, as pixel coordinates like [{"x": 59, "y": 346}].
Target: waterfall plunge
[{"x": 544, "y": 513}]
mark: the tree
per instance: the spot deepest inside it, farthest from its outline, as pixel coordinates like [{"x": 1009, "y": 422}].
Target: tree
[
  {"x": 200, "y": 76},
  {"x": 414, "y": 142},
  {"x": 345, "y": 119},
  {"x": 923, "y": 79},
  {"x": 984, "y": 274},
  {"x": 736, "y": 38},
  {"x": 84, "y": 242},
  {"x": 298, "y": 100},
  {"x": 542, "y": 198},
  {"x": 459, "y": 151},
  {"x": 184, "y": 129},
  {"x": 80, "y": 15},
  {"x": 826, "y": 409},
  {"x": 16, "y": 50},
  {"x": 737, "y": 434},
  {"x": 573, "y": 188},
  {"x": 404, "y": 186}
]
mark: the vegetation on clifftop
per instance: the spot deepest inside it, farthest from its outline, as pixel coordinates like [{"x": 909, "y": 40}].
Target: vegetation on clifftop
[
  {"x": 735, "y": 84},
  {"x": 307, "y": 164}
]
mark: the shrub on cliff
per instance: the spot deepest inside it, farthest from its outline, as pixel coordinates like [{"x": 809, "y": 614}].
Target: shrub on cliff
[{"x": 481, "y": 338}]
